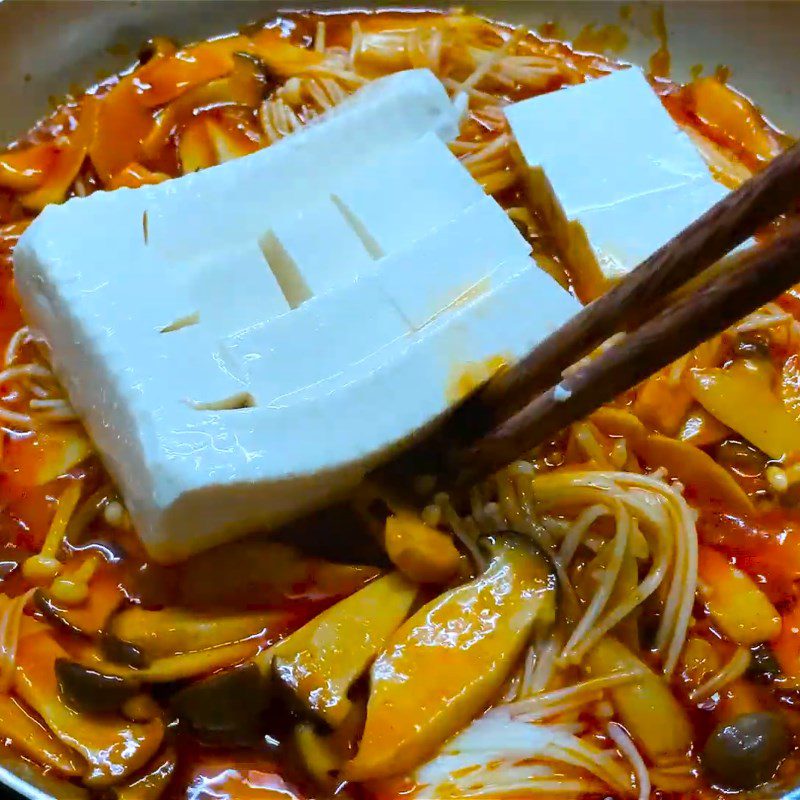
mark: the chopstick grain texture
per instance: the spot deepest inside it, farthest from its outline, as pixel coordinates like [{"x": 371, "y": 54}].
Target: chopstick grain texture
[
  {"x": 761, "y": 274},
  {"x": 721, "y": 229}
]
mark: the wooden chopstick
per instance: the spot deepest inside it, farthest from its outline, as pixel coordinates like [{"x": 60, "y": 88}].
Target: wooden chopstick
[
  {"x": 722, "y": 228},
  {"x": 760, "y": 275}
]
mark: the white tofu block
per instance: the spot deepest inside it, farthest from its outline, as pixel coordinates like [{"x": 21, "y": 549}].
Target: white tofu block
[
  {"x": 324, "y": 337},
  {"x": 625, "y": 234},
  {"x": 604, "y": 142},
  {"x": 250, "y": 192},
  {"x": 315, "y": 251},
  {"x": 255, "y": 412},
  {"x": 612, "y": 173},
  {"x": 400, "y": 197},
  {"x": 234, "y": 288},
  {"x": 453, "y": 264},
  {"x": 172, "y": 370},
  {"x": 392, "y": 397},
  {"x": 332, "y": 334}
]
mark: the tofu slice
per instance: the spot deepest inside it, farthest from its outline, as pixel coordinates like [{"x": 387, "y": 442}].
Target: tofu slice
[
  {"x": 452, "y": 265},
  {"x": 302, "y": 266},
  {"x": 396, "y": 199},
  {"x": 233, "y": 289},
  {"x": 334, "y": 335},
  {"x": 322, "y": 339},
  {"x": 127, "y": 264},
  {"x": 382, "y": 208},
  {"x": 251, "y": 412},
  {"x": 252, "y": 191},
  {"x": 618, "y": 238},
  {"x": 349, "y": 428},
  {"x": 606, "y": 165}
]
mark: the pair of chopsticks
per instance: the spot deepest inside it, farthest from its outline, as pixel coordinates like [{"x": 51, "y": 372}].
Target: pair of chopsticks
[{"x": 531, "y": 401}]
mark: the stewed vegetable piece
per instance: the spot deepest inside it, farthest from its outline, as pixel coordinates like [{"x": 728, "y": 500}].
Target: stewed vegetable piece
[
  {"x": 85, "y": 689},
  {"x": 747, "y": 751},
  {"x": 445, "y": 664},
  {"x": 320, "y": 662},
  {"x": 225, "y": 708}
]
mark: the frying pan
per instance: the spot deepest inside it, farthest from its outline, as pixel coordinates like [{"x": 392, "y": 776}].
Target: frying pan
[{"x": 47, "y": 47}]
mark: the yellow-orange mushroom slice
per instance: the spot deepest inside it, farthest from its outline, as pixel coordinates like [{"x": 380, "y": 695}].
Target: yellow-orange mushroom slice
[
  {"x": 646, "y": 706},
  {"x": 113, "y": 747},
  {"x": 447, "y": 662},
  {"x": 29, "y": 737},
  {"x": 321, "y": 661},
  {"x": 171, "y": 631}
]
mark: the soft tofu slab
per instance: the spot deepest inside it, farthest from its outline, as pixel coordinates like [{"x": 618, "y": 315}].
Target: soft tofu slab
[
  {"x": 217, "y": 407},
  {"x": 604, "y": 141},
  {"x": 299, "y": 168},
  {"x": 606, "y": 165},
  {"x": 233, "y": 288},
  {"x": 322, "y": 339},
  {"x": 137, "y": 248},
  {"x": 456, "y": 262},
  {"x": 394, "y": 395},
  {"x": 333, "y": 336},
  {"x": 303, "y": 267},
  {"x": 623, "y": 235},
  {"x": 395, "y": 200}
]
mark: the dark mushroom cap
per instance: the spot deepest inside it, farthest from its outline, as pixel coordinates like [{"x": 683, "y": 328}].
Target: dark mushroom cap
[{"x": 747, "y": 751}]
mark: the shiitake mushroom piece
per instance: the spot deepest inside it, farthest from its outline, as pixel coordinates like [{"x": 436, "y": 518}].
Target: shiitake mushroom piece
[
  {"x": 113, "y": 648},
  {"x": 764, "y": 666},
  {"x": 251, "y": 79},
  {"x": 118, "y": 651},
  {"x": 88, "y": 691},
  {"x": 225, "y": 708},
  {"x": 46, "y": 606},
  {"x": 746, "y": 752}
]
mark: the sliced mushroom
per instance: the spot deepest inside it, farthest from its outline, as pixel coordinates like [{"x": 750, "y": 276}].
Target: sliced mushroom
[
  {"x": 250, "y": 80},
  {"x": 30, "y": 738},
  {"x": 318, "y": 755},
  {"x": 153, "y": 784},
  {"x": 255, "y": 571},
  {"x": 172, "y": 630},
  {"x": 89, "y": 691},
  {"x": 118, "y": 651},
  {"x": 181, "y": 666},
  {"x": 89, "y": 618},
  {"x": 113, "y": 747},
  {"x": 647, "y": 707},
  {"x": 447, "y": 662},
  {"x": 54, "y": 614},
  {"x": 226, "y": 708},
  {"x": 422, "y": 553},
  {"x": 320, "y": 662}
]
